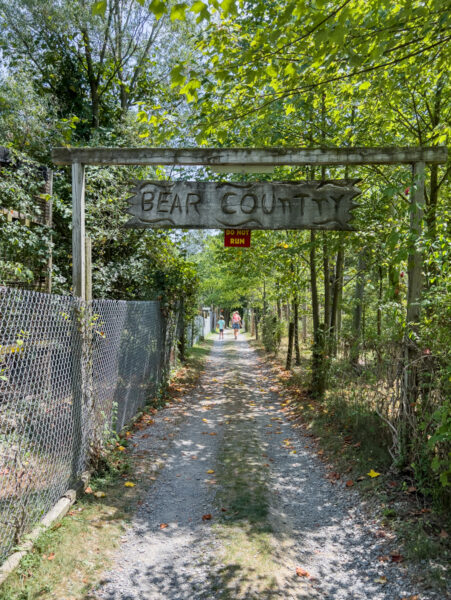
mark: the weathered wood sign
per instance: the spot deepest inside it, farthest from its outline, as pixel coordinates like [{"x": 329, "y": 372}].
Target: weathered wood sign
[{"x": 265, "y": 205}]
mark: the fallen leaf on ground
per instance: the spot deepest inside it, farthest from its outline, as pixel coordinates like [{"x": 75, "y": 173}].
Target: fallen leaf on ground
[
  {"x": 383, "y": 558},
  {"x": 360, "y": 478},
  {"x": 349, "y": 483},
  {"x": 414, "y": 597},
  {"x": 206, "y": 517},
  {"x": 302, "y": 572},
  {"x": 210, "y": 471},
  {"x": 88, "y": 490},
  {"x": 51, "y": 556},
  {"x": 381, "y": 579},
  {"x": 99, "y": 494},
  {"x": 411, "y": 489},
  {"x": 224, "y": 509},
  {"x": 212, "y": 433},
  {"x": 194, "y": 458},
  {"x": 205, "y": 420},
  {"x": 396, "y": 556},
  {"x": 163, "y": 525},
  {"x": 129, "y": 484},
  {"x": 373, "y": 473},
  {"x": 121, "y": 448},
  {"x": 443, "y": 534}
]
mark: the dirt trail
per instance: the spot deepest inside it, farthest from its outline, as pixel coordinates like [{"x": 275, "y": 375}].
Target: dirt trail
[{"x": 236, "y": 457}]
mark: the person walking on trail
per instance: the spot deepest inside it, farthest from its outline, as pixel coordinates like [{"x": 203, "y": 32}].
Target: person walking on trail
[
  {"x": 221, "y": 325},
  {"x": 236, "y": 323}
]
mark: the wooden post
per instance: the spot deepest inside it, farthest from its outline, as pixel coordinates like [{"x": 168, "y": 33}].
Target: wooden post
[
  {"x": 415, "y": 277},
  {"x": 79, "y": 337},
  {"x": 48, "y": 222},
  {"x": 78, "y": 231},
  {"x": 415, "y": 260},
  {"x": 88, "y": 269}
]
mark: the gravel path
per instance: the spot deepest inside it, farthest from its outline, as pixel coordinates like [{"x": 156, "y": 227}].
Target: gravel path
[{"x": 312, "y": 523}]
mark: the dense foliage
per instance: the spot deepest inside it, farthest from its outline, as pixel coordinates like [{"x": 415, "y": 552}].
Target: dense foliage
[{"x": 256, "y": 73}]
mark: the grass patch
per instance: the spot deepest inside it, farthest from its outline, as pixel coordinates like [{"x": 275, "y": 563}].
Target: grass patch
[{"x": 67, "y": 560}]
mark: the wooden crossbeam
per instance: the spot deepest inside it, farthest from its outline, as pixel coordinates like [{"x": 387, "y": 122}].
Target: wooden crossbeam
[{"x": 249, "y": 156}]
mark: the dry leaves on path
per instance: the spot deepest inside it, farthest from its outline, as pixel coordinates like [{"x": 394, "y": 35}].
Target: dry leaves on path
[
  {"x": 206, "y": 517},
  {"x": 163, "y": 525},
  {"x": 302, "y": 572}
]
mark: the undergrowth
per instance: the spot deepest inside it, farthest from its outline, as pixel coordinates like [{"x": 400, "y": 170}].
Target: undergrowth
[{"x": 353, "y": 440}]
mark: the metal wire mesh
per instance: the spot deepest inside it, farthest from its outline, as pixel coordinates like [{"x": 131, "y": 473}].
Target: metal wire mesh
[{"x": 69, "y": 372}]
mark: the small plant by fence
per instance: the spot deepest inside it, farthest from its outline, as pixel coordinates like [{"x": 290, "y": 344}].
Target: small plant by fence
[{"x": 69, "y": 373}]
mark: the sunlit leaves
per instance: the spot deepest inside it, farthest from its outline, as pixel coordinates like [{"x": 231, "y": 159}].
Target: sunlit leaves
[
  {"x": 99, "y": 8},
  {"x": 178, "y": 11},
  {"x": 158, "y": 8}
]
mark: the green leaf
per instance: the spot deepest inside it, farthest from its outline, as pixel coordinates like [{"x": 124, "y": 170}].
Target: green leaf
[
  {"x": 177, "y": 76},
  {"x": 178, "y": 12},
  {"x": 228, "y": 7},
  {"x": 364, "y": 86},
  {"x": 198, "y": 7},
  {"x": 158, "y": 7},
  {"x": 99, "y": 7}
]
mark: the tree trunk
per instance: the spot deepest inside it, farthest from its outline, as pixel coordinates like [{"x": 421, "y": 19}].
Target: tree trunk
[
  {"x": 93, "y": 81},
  {"x": 304, "y": 323},
  {"x": 358, "y": 306},
  {"x": 326, "y": 268},
  {"x": 296, "y": 331},
  {"x": 318, "y": 373},
  {"x": 379, "y": 305},
  {"x": 335, "y": 299},
  {"x": 290, "y": 345}
]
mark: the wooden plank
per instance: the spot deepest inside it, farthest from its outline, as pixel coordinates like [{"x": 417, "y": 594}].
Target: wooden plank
[
  {"x": 249, "y": 156},
  {"x": 226, "y": 205},
  {"x": 78, "y": 230}
]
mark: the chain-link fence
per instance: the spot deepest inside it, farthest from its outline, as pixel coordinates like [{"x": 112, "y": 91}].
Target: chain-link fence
[{"x": 70, "y": 372}]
